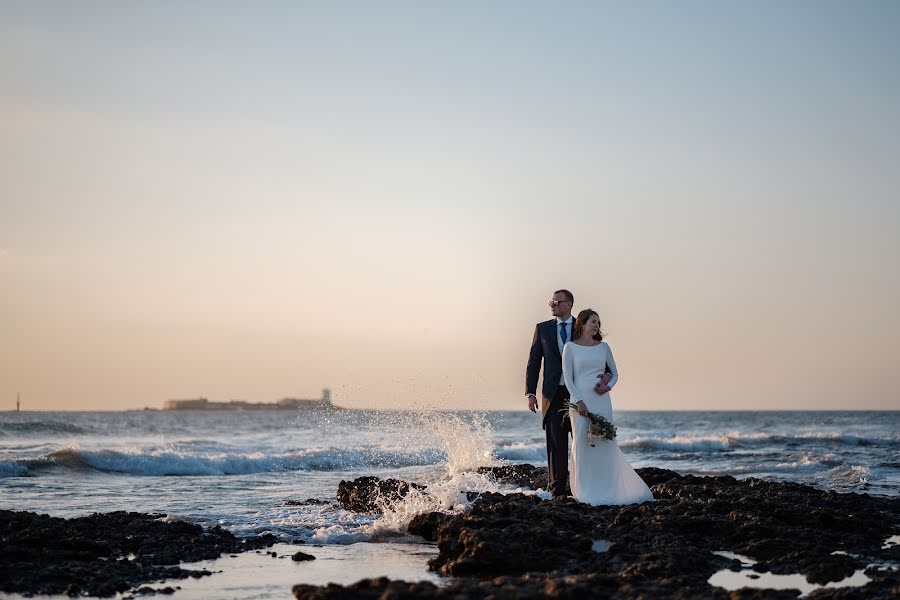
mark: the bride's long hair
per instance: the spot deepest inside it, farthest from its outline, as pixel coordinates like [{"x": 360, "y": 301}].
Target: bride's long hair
[{"x": 581, "y": 321}]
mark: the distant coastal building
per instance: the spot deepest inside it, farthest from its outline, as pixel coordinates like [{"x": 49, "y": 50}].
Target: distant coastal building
[{"x": 283, "y": 404}]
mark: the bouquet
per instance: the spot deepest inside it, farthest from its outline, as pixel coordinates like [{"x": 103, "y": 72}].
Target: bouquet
[{"x": 601, "y": 429}]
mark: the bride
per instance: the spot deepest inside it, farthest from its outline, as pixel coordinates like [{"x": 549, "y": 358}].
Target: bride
[{"x": 600, "y": 474}]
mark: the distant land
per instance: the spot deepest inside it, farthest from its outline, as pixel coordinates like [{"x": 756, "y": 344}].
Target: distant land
[{"x": 283, "y": 404}]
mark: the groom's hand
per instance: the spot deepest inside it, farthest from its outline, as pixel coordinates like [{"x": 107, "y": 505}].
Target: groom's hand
[{"x": 532, "y": 403}]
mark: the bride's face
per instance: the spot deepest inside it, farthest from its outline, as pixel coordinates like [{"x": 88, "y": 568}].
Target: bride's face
[{"x": 592, "y": 327}]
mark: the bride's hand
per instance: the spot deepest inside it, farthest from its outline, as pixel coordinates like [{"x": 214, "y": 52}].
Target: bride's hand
[{"x": 582, "y": 408}]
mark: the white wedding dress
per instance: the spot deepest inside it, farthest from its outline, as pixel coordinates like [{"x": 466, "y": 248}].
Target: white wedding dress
[{"x": 598, "y": 474}]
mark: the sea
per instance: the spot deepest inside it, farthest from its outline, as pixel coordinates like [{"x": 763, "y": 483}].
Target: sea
[{"x": 278, "y": 471}]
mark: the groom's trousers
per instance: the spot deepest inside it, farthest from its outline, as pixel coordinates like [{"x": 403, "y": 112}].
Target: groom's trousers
[{"x": 557, "y": 444}]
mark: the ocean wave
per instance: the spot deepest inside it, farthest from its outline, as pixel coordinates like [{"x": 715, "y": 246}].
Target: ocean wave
[
  {"x": 12, "y": 468},
  {"x": 844, "y": 438},
  {"x": 806, "y": 463},
  {"x": 806, "y": 469},
  {"x": 521, "y": 451},
  {"x": 850, "y": 476},
  {"x": 680, "y": 442},
  {"x": 26, "y": 427},
  {"x": 166, "y": 462},
  {"x": 731, "y": 441}
]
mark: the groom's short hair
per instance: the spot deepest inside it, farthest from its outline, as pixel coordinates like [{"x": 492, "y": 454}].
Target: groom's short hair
[{"x": 567, "y": 294}]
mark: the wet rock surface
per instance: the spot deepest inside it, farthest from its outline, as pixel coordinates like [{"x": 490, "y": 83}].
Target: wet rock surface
[
  {"x": 528, "y": 476},
  {"x": 371, "y": 494},
  {"x": 427, "y": 525},
  {"x": 105, "y": 553},
  {"x": 519, "y": 545},
  {"x": 307, "y": 502}
]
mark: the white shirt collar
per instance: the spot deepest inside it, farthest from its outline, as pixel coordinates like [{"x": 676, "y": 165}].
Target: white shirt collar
[{"x": 558, "y": 320}]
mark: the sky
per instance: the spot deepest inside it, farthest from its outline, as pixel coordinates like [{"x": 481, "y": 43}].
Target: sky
[{"x": 258, "y": 200}]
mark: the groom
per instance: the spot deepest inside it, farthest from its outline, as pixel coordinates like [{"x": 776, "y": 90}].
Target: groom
[{"x": 546, "y": 347}]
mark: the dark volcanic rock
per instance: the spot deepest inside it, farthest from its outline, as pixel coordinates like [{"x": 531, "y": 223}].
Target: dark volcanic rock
[
  {"x": 367, "y": 589},
  {"x": 307, "y": 502},
  {"x": 521, "y": 546},
  {"x": 371, "y": 494},
  {"x": 301, "y": 556},
  {"x": 427, "y": 524},
  {"x": 103, "y": 554},
  {"x": 501, "y": 588},
  {"x": 535, "y": 478},
  {"x": 528, "y": 476},
  {"x": 499, "y": 538}
]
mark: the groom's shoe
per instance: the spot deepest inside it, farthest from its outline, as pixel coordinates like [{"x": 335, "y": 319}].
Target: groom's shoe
[{"x": 565, "y": 494}]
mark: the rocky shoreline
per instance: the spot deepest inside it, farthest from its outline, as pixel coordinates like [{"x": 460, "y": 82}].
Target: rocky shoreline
[
  {"x": 512, "y": 546},
  {"x": 106, "y": 553}
]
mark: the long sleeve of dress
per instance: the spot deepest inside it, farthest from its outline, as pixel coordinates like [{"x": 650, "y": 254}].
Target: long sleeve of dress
[
  {"x": 611, "y": 363},
  {"x": 568, "y": 359}
]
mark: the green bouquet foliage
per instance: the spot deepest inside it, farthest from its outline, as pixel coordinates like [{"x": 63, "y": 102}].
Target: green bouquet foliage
[{"x": 601, "y": 428}]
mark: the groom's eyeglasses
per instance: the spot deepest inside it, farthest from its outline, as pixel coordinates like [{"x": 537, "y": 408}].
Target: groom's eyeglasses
[{"x": 555, "y": 303}]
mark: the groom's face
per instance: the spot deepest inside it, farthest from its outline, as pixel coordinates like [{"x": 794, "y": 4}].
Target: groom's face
[{"x": 562, "y": 308}]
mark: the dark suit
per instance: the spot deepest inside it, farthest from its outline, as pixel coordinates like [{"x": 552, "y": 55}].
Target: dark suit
[{"x": 545, "y": 349}]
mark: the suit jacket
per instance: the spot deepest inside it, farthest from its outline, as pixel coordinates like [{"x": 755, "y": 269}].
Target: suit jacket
[{"x": 545, "y": 349}]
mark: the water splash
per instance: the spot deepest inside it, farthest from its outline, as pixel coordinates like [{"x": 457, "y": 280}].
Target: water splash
[
  {"x": 467, "y": 442},
  {"x": 454, "y": 444}
]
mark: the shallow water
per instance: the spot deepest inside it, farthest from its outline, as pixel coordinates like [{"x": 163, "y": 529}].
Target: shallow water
[
  {"x": 257, "y": 575},
  {"x": 747, "y": 577}
]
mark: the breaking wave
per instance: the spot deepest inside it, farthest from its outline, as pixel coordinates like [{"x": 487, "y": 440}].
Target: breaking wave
[{"x": 165, "y": 462}]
